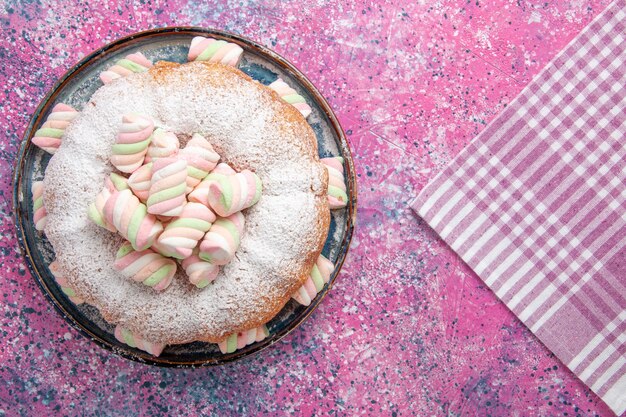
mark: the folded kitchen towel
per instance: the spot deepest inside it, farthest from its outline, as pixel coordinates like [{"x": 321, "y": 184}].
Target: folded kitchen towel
[{"x": 536, "y": 206}]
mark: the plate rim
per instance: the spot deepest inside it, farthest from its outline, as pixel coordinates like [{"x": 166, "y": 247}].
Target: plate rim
[{"x": 75, "y": 70}]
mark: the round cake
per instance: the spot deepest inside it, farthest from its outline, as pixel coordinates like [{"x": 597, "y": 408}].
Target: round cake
[{"x": 251, "y": 128}]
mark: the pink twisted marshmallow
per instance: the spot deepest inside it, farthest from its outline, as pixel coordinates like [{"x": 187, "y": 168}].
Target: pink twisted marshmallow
[
  {"x": 146, "y": 266},
  {"x": 201, "y": 159},
  {"x": 200, "y": 194},
  {"x": 234, "y": 193},
  {"x": 114, "y": 182},
  {"x": 163, "y": 144},
  {"x": 240, "y": 340},
  {"x": 131, "y": 219},
  {"x": 128, "y": 338},
  {"x": 60, "y": 279},
  {"x": 337, "y": 196},
  {"x": 320, "y": 275},
  {"x": 222, "y": 240},
  {"x": 130, "y": 64},
  {"x": 212, "y": 50},
  {"x": 131, "y": 143},
  {"x": 166, "y": 196},
  {"x": 199, "y": 272},
  {"x": 96, "y": 210},
  {"x": 291, "y": 96},
  {"x": 48, "y": 136},
  {"x": 162, "y": 249},
  {"x": 183, "y": 233},
  {"x": 139, "y": 182},
  {"x": 40, "y": 216}
]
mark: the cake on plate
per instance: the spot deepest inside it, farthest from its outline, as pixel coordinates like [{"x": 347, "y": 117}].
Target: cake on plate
[{"x": 187, "y": 202}]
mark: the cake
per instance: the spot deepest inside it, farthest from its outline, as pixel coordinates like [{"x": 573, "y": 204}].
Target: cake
[{"x": 255, "y": 132}]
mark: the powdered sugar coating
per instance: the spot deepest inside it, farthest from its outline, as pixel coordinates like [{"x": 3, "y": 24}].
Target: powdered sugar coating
[{"x": 251, "y": 129}]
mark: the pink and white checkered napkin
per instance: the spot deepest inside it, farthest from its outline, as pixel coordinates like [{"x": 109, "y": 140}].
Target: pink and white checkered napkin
[{"x": 536, "y": 206}]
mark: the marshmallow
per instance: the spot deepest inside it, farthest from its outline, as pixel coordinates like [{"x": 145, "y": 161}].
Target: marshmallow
[
  {"x": 96, "y": 210},
  {"x": 166, "y": 196},
  {"x": 201, "y": 159},
  {"x": 131, "y": 143},
  {"x": 163, "y": 144},
  {"x": 139, "y": 182},
  {"x": 222, "y": 240},
  {"x": 130, "y": 64},
  {"x": 48, "y": 136},
  {"x": 337, "y": 196},
  {"x": 212, "y": 50},
  {"x": 128, "y": 338},
  {"x": 40, "y": 216},
  {"x": 146, "y": 266},
  {"x": 291, "y": 96},
  {"x": 240, "y": 340},
  {"x": 183, "y": 233},
  {"x": 131, "y": 219},
  {"x": 320, "y": 275},
  {"x": 199, "y": 272},
  {"x": 117, "y": 182},
  {"x": 60, "y": 279},
  {"x": 114, "y": 182},
  {"x": 234, "y": 193},
  {"x": 200, "y": 193}
]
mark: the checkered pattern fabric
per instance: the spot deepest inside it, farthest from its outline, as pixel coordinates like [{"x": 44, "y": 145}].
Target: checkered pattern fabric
[{"x": 536, "y": 206}]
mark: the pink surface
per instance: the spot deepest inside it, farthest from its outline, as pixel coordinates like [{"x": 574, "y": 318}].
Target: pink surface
[
  {"x": 408, "y": 328},
  {"x": 553, "y": 250}
]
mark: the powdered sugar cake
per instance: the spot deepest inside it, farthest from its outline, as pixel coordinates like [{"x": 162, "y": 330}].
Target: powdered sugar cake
[{"x": 251, "y": 128}]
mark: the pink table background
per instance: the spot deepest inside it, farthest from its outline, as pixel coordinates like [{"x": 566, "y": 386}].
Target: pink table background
[{"x": 408, "y": 328}]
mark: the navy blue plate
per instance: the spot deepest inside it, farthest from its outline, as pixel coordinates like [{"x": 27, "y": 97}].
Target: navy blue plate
[{"x": 76, "y": 87}]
